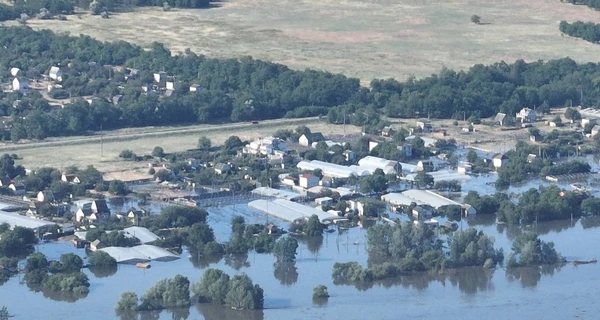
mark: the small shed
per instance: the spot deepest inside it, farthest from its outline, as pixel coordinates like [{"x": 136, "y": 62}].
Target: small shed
[{"x": 323, "y": 201}]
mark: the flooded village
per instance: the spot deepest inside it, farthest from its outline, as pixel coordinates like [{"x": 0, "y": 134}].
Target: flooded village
[{"x": 433, "y": 175}]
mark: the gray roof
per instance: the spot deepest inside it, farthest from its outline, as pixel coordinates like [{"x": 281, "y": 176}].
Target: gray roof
[
  {"x": 15, "y": 220},
  {"x": 142, "y": 253},
  {"x": 499, "y": 117},
  {"x": 429, "y": 198},
  {"x": 290, "y": 211},
  {"x": 143, "y": 234}
]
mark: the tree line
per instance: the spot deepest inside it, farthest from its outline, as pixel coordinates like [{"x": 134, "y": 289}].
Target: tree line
[
  {"x": 247, "y": 89},
  {"x": 542, "y": 204},
  {"x": 587, "y": 31}
]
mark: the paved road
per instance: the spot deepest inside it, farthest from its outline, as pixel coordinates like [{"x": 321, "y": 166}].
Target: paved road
[{"x": 150, "y": 132}]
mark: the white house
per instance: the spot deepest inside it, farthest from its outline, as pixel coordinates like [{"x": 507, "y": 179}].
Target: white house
[
  {"x": 526, "y": 115},
  {"x": 170, "y": 85},
  {"x": 14, "y": 72},
  {"x": 222, "y": 168},
  {"x": 308, "y": 181},
  {"x": 17, "y": 188},
  {"x": 20, "y": 84},
  {"x": 195, "y": 88},
  {"x": 499, "y": 160},
  {"x": 419, "y": 212},
  {"x": 465, "y": 168},
  {"x": 307, "y": 139},
  {"x": 595, "y": 130},
  {"x": 158, "y": 77},
  {"x": 70, "y": 178},
  {"x": 424, "y": 126},
  {"x": 323, "y": 201},
  {"x": 55, "y": 74},
  {"x": 468, "y": 210},
  {"x": 45, "y": 196}
]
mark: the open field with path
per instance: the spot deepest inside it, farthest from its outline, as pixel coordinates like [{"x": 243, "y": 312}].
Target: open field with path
[
  {"x": 364, "y": 39},
  {"x": 87, "y": 150}
]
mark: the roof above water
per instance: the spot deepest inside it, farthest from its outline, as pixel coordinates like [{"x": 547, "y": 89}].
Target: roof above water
[
  {"x": 143, "y": 234},
  {"x": 142, "y": 253},
  {"x": 16, "y": 220}
]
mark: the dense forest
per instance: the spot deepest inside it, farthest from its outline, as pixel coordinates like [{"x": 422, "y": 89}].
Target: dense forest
[
  {"x": 247, "y": 89},
  {"x": 587, "y": 31}
]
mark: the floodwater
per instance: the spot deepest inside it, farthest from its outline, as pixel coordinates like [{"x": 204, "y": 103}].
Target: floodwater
[{"x": 537, "y": 293}]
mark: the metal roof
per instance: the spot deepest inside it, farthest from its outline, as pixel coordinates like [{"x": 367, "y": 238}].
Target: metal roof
[
  {"x": 398, "y": 199},
  {"x": 143, "y": 234},
  {"x": 16, "y": 220},
  {"x": 142, "y": 253},
  {"x": 442, "y": 175},
  {"x": 291, "y": 211},
  {"x": 276, "y": 193},
  {"x": 429, "y": 198}
]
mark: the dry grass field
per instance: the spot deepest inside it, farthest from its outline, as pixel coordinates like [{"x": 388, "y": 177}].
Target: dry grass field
[
  {"x": 360, "y": 38},
  {"x": 82, "y": 152}
]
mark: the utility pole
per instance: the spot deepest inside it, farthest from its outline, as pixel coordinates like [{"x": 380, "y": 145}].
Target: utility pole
[
  {"x": 101, "y": 142},
  {"x": 344, "y": 122}
]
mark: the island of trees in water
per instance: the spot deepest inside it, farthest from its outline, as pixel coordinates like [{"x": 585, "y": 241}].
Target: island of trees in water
[{"x": 406, "y": 248}]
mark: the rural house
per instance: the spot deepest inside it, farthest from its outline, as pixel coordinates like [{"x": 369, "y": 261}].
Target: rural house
[
  {"x": 222, "y": 168},
  {"x": 45, "y": 196},
  {"x": 424, "y": 126},
  {"x": 307, "y": 139},
  {"x": 20, "y": 84},
  {"x": 350, "y": 156},
  {"x": 160, "y": 76},
  {"x": 406, "y": 150},
  {"x": 15, "y": 72},
  {"x": 526, "y": 115},
  {"x": 17, "y": 188},
  {"x": 308, "y": 181},
  {"x": 586, "y": 121},
  {"x": 419, "y": 212},
  {"x": 595, "y": 130},
  {"x": 499, "y": 160},
  {"x": 100, "y": 207},
  {"x": 387, "y": 131},
  {"x": 55, "y": 74},
  {"x": 5, "y": 182},
  {"x": 70, "y": 178},
  {"x": 116, "y": 99},
  {"x": 195, "y": 88}
]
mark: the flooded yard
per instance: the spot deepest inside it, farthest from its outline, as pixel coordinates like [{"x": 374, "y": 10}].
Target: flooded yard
[{"x": 465, "y": 293}]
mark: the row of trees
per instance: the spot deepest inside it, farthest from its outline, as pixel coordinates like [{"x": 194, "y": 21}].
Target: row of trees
[
  {"x": 215, "y": 286},
  {"x": 587, "y": 31},
  {"x": 245, "y": 89},
  {"x": 542, "y": 204}
]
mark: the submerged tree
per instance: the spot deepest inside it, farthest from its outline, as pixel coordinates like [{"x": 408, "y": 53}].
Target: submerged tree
[
  {"x": 285, "y": 249},
  {"x": 320, "y": 292},
  {"x": 243, "y": 294}
]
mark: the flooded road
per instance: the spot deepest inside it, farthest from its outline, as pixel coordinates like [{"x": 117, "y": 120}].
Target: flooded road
[{"x": 537, "y": 293}]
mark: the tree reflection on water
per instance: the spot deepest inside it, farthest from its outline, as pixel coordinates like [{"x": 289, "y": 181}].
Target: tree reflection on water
[
  {"x": 212, "y": 311},
  {"x": 530, "y": 276},
  {"x": 286, "y": 273}
]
